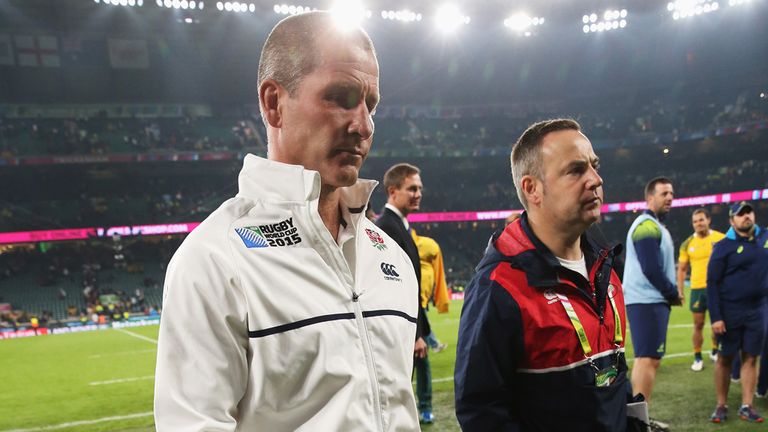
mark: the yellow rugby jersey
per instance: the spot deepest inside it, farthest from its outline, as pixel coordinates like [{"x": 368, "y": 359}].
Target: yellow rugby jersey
[
  {"x": 697, "y": 250},
  {"x": 433, "y": 283}
]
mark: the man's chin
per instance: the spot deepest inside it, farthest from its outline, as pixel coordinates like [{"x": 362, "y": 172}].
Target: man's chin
[{"x": 341, "y": 179}]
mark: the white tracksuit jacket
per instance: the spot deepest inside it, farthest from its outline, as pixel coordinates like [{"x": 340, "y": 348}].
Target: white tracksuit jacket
[{"x": 269, "y": 325}]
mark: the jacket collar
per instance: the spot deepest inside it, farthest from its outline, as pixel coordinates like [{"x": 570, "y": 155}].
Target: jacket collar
[
  {"x": 659, "y": 218},
  {"x": 277, "y": 182},
  {"x": 518, "y": 245},
  {"x": 731, "y": 234}
]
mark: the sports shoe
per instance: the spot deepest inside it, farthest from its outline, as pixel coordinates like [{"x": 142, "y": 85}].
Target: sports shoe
[
  {"x": 439, "y": 347},
  {"x": 735, "y": 380},
  {"x": 657, "y": 426},
  {"x": 720, "y": 415},
  {"x": 761, "y": 395},
  {"x": 697, "y": 365},
  {"x": 426, "y": 417},
  {"x": 748, "y": 413},
  {"x": 713, "y": 356}
]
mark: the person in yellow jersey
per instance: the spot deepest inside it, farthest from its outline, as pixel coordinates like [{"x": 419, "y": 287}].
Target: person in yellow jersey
[
  {"x": 694, "y": 254},
  {"x": 433, "y": 283}
]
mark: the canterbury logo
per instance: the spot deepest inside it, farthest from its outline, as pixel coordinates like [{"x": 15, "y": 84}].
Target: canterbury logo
[{"x": 389, "y": 270}]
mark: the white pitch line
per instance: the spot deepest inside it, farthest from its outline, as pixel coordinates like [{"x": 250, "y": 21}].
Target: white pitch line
[
  {"x": 82, "y": 422},
  {"x": 121, "y": 380},
  {"x": 436, "y": 380},
  {"x": 666, "y": 356},
  {"x": 136, "y": 335},
  {"x": 681, "y": 326},
  {"x": 121, "y": 353}
]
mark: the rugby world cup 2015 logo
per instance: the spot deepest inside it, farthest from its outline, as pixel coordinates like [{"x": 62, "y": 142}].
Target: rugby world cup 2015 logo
[
  {"x": 278, "y": 234},
  {"x": 376, "y": 239},
  {"x": 252, "y": 237}
]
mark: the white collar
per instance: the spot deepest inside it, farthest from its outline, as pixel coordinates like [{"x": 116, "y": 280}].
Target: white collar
[
  {"x": 400, "y": 214},
  {"x": 272, "y": 181}
]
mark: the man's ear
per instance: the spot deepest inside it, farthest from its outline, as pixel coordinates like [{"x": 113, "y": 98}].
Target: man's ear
[
  {"x": 270, "y": 94},
  {"x": 390, "y": 190},
  {"x": 532, "y": 189}
]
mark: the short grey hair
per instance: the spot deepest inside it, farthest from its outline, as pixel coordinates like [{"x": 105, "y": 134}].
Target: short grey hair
[
  {"x": 289, "y": 53},
  {"x": 526, "y": 153}
]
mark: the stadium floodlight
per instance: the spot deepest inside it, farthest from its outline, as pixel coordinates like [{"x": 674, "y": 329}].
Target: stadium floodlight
[
  {"x": 232, "y": 6},
  {"x": 129, "y": 3},
  {"x": 403, "y": 15},
  {"x": 522, "y": 23},
  {"x": 349, "y": 14},
  {"x": 611, "y": 19},
  {"x": 449, "y": 18},
  {"x": 285, "y": 9},
  {"x": 681, "y": 9}
]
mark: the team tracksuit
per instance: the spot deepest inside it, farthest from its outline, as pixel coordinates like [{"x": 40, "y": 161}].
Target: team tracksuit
[
  {"x": 270, "y": 325},
  {"x": 737, "y": 284},
  {"x": 520, "y": 365}
]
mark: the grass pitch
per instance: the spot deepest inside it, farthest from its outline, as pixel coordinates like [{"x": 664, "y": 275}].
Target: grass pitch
[{"x": 103, "y": 381}]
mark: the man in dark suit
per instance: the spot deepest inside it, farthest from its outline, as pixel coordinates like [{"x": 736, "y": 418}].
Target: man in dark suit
[{"x": 403, "y": 185}]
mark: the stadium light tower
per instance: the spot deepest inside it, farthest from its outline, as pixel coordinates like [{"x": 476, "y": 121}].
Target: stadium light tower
[
  {"x": 612, "y": 19},
  {"x": 349, "y": 13},
  {"x": 180, "y": 4},
  {"x": 522, "y": 23},
  {"x": 682, "y": 9},
  {"x": 284, "y": 9},
  {"x": 449, "y": 18},
  {"x": 403, "y": 15},
  {"x": 131, "y": 3}
]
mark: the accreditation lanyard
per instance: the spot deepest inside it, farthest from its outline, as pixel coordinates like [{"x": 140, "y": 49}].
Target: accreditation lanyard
[{"x": 603, "y": 377}]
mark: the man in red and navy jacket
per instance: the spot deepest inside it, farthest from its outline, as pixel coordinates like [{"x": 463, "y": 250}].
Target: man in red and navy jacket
[{"x": 541, "y": 338}]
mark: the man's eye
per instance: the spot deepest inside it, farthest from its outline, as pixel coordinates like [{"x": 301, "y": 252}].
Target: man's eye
[{"x": 346, "y": 100}]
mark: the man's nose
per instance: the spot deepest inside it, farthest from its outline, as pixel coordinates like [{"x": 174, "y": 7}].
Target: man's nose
[{"x": 362, "y": 122}]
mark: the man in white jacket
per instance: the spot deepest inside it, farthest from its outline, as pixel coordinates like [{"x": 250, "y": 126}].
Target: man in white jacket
[{"x": 287, "y": 309}]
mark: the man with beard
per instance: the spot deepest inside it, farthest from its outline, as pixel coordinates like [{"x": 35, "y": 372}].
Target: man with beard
[
  {"x": 737, "y": 289},
  {"x": 649, "y": 286},
  {"x": 541, "y": 336}
]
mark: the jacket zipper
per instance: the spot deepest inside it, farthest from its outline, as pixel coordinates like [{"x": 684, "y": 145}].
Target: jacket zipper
[
  {"x": 368, "y": 352},
  {"x": 349, "y": 281}
]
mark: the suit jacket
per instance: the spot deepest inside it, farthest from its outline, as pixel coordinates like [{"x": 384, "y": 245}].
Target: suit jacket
[{"x": 391, "y": 224}]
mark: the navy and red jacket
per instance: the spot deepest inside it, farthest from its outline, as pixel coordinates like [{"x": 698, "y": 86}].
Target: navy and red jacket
[{"x": 519, "y": 363}]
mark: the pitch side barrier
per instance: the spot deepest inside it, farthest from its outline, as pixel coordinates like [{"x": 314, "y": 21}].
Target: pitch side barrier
[
  {"x": 77, "y": 327},
  {"x": 470, "y": 216}
]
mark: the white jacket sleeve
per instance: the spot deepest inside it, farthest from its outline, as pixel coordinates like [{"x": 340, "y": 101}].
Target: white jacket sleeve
[{"x": 202, "y": 367}]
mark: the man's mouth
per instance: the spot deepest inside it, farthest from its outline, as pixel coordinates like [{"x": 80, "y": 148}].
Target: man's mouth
[
  {"x": 593, "y": 201},
  {"x": 350, "y": 151}
]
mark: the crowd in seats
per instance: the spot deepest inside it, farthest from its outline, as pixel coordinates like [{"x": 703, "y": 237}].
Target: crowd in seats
[
  {"x": 94, "y": 281},
  {"x": 101, "y": 135},
  {"x": 69, "y": 279},
  {"x": 607, "y": 118},
  {"x": 609, "y": 123},
  {"x": 68, "y": 200}
]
